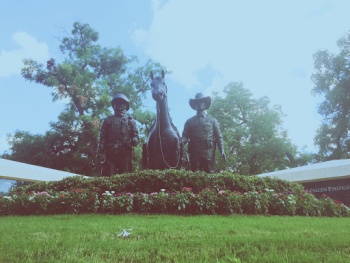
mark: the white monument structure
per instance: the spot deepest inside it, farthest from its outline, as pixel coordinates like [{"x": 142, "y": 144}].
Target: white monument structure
[
  {"x": 11, "y": 170},
  {"x": 331, "y": 178}
]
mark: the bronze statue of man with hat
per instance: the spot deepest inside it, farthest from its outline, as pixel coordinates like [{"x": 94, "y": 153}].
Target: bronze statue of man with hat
[
  {"x": 202, "y": 132},
  {"x": 118, "y": 134}
]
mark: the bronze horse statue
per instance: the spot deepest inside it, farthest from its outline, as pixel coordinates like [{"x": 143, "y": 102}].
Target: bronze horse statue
[{"x": 163, "y": 146}]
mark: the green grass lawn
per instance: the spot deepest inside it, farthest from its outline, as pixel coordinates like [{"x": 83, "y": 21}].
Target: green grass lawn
[{"x": 168, "y": 238}]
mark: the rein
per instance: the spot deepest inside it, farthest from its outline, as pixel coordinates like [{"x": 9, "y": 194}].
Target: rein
[{"x": 161, "y": 144}]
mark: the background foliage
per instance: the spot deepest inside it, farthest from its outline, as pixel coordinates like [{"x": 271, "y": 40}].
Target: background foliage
[
  {"x": 332, "y": 83},
  {"x": 85, "y": 81},
  {"x": 255, "y": 141}
]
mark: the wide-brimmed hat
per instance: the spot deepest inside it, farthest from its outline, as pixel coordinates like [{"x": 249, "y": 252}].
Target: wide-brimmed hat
[
  {"x": 199, "y": 98},
  {"x": 121, "y": 96}
]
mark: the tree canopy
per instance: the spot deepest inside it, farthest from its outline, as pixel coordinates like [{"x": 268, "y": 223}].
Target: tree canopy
[
  {"x": 332, "y": 82},
  {"x": 87, "y": 77},
  {"x": 252, "y": 129},
  {"x": 85, "y": 80}
]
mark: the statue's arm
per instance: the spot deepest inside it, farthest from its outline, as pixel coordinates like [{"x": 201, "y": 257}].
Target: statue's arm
[
  {"x": 134, "y": 133},
  {"x": 102, "y": 136},
  {"x": 218, "y": 138},
  {"x": 185, "y": 134}
]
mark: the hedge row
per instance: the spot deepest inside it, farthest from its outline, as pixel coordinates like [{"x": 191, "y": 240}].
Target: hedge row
[
  {"x": 148, "y": 181},
  {"x": 171, "y": 191},
  {"x": 207, "y": 201}
]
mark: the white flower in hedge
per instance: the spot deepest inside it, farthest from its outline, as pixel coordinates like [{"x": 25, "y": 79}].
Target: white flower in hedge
[
  {"x": 108, "y": 193},
  {"x": 42, "y": 193}
]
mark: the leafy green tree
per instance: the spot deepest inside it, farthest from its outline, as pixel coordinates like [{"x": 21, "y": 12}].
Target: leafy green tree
[
  {"x": 85, "y": 80},
  {"x": 254, "y": 139},
  {"x": 332, "y": 82},
  {"x": 30, "y": 148}
]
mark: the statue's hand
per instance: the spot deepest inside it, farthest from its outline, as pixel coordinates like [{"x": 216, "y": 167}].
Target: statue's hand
[
  {"x": 134, "y": 142},
  {"x": 184, "y": 140},
  {"x": 100, "y": 150},
  {"x": 224, "y": 156},
  {"x": 98, "y": 157},
  {"x": 127, "y": 145}
]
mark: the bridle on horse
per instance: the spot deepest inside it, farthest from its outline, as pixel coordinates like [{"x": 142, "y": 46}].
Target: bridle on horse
[{"x": 159, "y": 133}]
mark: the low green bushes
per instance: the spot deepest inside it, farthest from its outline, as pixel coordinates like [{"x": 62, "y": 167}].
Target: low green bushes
[
  {"x": 149, "y": 181},
  {"x": 169, "y": 191}
]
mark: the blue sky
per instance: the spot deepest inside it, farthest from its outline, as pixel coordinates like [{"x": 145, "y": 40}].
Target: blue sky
[{"x": 267, "y": 45}]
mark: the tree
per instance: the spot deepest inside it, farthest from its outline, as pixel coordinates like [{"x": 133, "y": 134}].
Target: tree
[
  {"x": 332, "y": 81},
  {"x": 254, "y": 140},
  {"x": 86, "y": 79},
  {"x": 30, "y": 148}
]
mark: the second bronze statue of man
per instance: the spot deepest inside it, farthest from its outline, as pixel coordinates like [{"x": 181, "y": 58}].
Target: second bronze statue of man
[
  {"x": 118, "y": 134},
  {"x": 202, "y": 133}
]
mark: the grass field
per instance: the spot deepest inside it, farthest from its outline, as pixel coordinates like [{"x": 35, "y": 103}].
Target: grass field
[{"x": 167, "y": 238}]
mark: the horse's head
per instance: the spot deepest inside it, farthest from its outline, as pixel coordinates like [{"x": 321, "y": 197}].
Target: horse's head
[{"x": 158, "y": 86}]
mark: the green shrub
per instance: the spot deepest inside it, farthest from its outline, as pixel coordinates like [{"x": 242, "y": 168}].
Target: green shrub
[
  {"x": 169, "y": 191},
  {"x": 332, "y": 207},
  {"x": 229, "y": 202},
  {"x": 308, "y": 205},
  {"x": 115, "y": 203},
  {"x": 149, "y": 181},
  {"x": 255, "y": 203},
  {"x": 283, "y": 204}
]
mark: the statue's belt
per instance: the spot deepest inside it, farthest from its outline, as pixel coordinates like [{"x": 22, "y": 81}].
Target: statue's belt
[
  {"x": 200, "y": 143},
  {"x": 117, "y": 144},
  {"x": 201, "y": 140}
]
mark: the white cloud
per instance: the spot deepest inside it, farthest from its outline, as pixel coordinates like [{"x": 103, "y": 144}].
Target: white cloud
[
  {"x": 237, "y": 39},
  {"x": 268, "y": 45},
  {"x": 11, "y": 61},
  {"x": 187, "y": 36}
]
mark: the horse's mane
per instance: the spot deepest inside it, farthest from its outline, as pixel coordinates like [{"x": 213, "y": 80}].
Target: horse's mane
[{"x": 171, "y": 123}]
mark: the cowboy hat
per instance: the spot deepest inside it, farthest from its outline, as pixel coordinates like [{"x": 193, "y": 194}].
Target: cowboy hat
[{"x": 199, "y": 98}]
